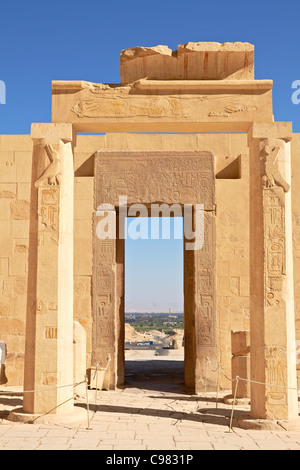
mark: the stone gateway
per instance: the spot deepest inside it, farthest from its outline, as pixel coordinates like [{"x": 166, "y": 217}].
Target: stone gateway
[{"x": 183, "y": 127}]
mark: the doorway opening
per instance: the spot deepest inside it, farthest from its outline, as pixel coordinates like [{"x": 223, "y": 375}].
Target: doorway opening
[{"x": 154, "y": 303}]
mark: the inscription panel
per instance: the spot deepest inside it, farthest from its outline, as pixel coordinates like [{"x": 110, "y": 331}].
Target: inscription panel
[
  {"x": 104, "y": 296},
  {"x": 205, "y": 286},
  {"x": 153, "y": 177}
]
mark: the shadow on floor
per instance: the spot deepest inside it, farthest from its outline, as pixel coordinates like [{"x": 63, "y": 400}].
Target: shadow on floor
[
  {"x": 219, "y": 417},
  {"x": 156, "y": 375}
]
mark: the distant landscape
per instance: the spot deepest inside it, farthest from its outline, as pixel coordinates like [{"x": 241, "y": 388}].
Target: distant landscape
[{"x": 164, "y": 322}]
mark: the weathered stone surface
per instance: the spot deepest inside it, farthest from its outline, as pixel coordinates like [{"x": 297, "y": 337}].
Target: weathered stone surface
[
  {"x": 241, "y": 368},
  {"x": 191, "y": 61},
  {"x": 167, "y": 105},
  {"x": 49, "y": 324},
  {"x": 79, "y": 354},
  {"x": 240, "y": 343},
  {"x": 154, "y": 177},
  {"x": 272, "y": 323},
  {"x": 20, "y": 210}
]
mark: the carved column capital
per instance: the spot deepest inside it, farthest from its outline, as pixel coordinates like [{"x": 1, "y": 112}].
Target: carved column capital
[
  {"x": 270, "y": 130},
  {"x": 51, "y": 133}
]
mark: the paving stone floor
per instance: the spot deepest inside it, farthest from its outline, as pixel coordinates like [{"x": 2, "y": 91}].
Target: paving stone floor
[{"x": 152, "y": 412}]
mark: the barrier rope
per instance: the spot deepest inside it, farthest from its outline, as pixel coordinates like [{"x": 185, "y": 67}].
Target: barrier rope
[
  {"x": 41, "y": 389},
  {"x": 237, "y": 379}
]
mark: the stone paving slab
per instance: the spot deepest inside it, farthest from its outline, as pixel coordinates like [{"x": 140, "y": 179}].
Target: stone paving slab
[{"x": 142, "y": 419}]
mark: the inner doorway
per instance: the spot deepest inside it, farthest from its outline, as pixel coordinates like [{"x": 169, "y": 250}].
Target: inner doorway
[{"x": 154, "y": 303}]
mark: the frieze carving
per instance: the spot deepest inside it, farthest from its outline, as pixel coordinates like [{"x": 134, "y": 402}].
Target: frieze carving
[
  {"x": 231, "y": 109},
  {"x": 53, "y": 171},
  {"x": 116, "y": 106}
]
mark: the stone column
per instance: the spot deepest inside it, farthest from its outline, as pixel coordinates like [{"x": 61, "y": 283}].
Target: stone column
[
  {"x": 49, "y": 322},
  {"x": 272, "y": 324},
  {"x": 79, "y": 352},
  {"x": 200, "y": 341},
  {"x": 104, "y": 304}
]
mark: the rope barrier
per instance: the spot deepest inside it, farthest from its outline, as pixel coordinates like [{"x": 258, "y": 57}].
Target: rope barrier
[
  {"x": 237, "y": 379},
  {"x": 87, "y": 402},
  {"x": 56, "y": 388},
  {"x": 42, "y": 389},
  {"x": 86, "y": 381}
]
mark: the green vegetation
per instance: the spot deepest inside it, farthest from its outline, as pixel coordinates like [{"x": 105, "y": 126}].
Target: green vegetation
[{"x": 165, "y": 322}]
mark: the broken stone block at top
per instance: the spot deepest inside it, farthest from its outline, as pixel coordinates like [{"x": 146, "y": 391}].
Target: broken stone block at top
[{"x": 191, "y": 61}]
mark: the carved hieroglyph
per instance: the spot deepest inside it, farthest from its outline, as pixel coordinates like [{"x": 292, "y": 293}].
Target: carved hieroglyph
[
  {"x": 274, "y": 186},
  {"x": 152, "y": 177},
  {"x": 156, "y": 178},
  {"x": 205, "y": 293},
  {"x": 104, "y": 307},
  {"x": 49, "y": 323},
  {"x": 271, "y": 278}
]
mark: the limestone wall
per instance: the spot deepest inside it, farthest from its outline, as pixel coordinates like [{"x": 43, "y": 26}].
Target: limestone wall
[
  {"x": 15, "y": 187},
  {"x": 296, "y": 233},
  {"x": 232, "y": 226}
]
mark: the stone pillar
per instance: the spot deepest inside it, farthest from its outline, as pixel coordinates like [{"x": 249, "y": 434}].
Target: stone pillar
[
  {"x": 49, "y": 322},
  {"x": 240, "y": 362},
  {"x": 272, "y": 322},
  {"x": 79, "y": 352},
  {"x": 199, "y": 309},
  {"x": 104, "y": 304}
]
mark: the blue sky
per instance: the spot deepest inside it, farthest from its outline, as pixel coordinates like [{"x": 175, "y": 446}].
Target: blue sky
[
  {"x": 72, "y": 40},
  {"x": 154, "y": 268}
]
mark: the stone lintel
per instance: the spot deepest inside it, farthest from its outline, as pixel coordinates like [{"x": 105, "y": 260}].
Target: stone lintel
[
  {"x": 217, "y": 106},
  {"x": 190, "y": 174}
]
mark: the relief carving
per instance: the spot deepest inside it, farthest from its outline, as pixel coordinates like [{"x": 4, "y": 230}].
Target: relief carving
[
  {"x": 272, "y": 176},
  {"x": 189, "y": 179},
  {"x": 230, "y": 109},
  {"x": 205, "y": 299},
  {"x": 275, "y": 375},
  {"x": 117, "y": 106},
  {"x": 51, "y": 174},
  {"x": 274, "y": 187},
  {"x": 104, "y": 294},
  {"x": 48, "y": 210}
]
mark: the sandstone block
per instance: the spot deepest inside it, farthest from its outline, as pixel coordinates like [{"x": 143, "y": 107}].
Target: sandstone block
[
  {"x": 8, "y": 190},
  {"x": 240, "y": 365},
  {"x": 20, "y": 210},
  {"x": 20, "y": 228},
  {"x": 79, "y": 354},
  {"x": 17, "y": 264},
  {"x": 240, "y": 343},
  {"x": 23, "y": 166},
  {"x": 24, "y": 191}
]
